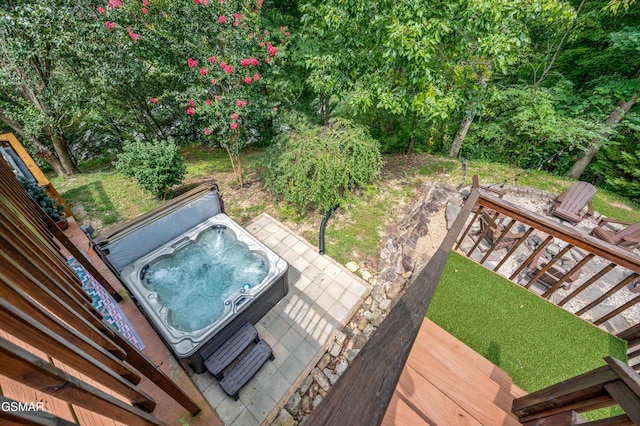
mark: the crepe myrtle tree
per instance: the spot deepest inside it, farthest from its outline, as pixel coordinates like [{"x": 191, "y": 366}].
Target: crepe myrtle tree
[{"x": 219, "y": 50}]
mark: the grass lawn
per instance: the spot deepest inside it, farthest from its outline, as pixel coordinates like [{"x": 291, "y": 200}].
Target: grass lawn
[{"x": 535, "y": 342}]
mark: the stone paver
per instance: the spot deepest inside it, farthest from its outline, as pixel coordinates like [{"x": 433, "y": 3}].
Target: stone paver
[{"x": 323, "y": 296}]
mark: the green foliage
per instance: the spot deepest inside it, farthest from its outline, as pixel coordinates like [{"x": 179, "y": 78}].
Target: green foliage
[
  {"x": 320, "y": 166},
  {"x": 528, "y": 128},
  {"x": 619, "y": 163},
  {"x": 37, "y": 194},
  {"x": 156, "y": 165}
]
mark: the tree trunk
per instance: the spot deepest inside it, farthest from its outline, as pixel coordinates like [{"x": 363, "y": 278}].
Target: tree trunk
[
  {"x": 62, "y": 150},
  {"x": 412, "y": 140},
  {"x": 462, "y": 133},
  {"x": 612, "y": 120},
  {"x": 324, "y": 110}
]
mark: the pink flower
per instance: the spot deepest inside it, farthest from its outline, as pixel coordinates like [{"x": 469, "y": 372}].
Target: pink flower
[
  {"x": 222, "y": 64},
  {"x": 275, "y": 109},
  {"x": 245, "y": 62},
  {"x": 109, "y": 25},
  {"x": 247, "y": 80},
  {"x": 239, "y": 103},
  {"x": 287, "y": 33},
  {"x": 191, "y": 103},
  {"x": 154, "y": 100},
  {"x": 212, "y": 59},
  {"x": 281, "y": 28},
  {"x": 214, "y": 80},
  {"x": 253, "y": 61},
  {"x": 144, "y": 11},
  {"x": 204, "y": 2},
  {"x": 203, "y": 71},
  {"x": 145, "y": 3},
  {"x": 207, "y": 131},
  {"x": 236, "y": 23},
  {"x": 260, "y": 3},
  {"x": 191, "y": 111},
  {"x": 133, "y": 35},
  {"x": 220, "y": 1},
  {"x": 267, "y": 60},
  {"x": 237, "y": 15},
  {"x": 207, "y": 102},
  {"x": 262, "y": 44},
  {"x": 256, "y": 77},
  {"x": 114, "y": 4},
  {"x": 100, "y": 10},
  {"x": 217, "y": 98},
  {"x": 222, "y": 19},
  {"x": 191, "y": 63},
  {"x": 272, "y": 50},
  {"x": 228, "y": 69},
  {"x": 234, "y": 116},
  {"x": 234, "y": 125}
]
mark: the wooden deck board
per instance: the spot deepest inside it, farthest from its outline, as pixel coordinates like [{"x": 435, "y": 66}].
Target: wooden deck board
[{"x": 445, "y": 382}]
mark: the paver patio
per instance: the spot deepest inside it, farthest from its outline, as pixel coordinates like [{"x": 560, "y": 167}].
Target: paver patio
[{"x": 323, "y": 296}]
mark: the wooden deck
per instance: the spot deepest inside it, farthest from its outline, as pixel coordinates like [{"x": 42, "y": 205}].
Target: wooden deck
[
  {"x": 444, "y": 382},
  {"x": 167, "y": 410}
]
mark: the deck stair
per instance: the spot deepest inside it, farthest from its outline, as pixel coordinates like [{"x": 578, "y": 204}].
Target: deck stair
[
  {"x": 240, "y": 362},
  {"x": 446, "y": 382}
]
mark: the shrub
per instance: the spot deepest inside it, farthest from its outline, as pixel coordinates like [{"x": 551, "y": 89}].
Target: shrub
[
  {"x": 319, "y": 166},
  {"x": 37, "y": 194},
  {"x": 156, "y": 165}
]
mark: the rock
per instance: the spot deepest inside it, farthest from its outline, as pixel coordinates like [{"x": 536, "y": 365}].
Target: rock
[
  {"x": 385, "y": 305},
  {"x": 304, "y": 386},
  {"x": 451, "y": 213},
  {"x": 293, "y": 405},
  {"x": 367, "y": 303},
  {"x": 351, "y": 354},
  {"x": 389, "y": 246},
  {"x": 333, "y": 378},
  {"x": 348, "y": 332},
  {"x": 320, "y": 379},
  {"x": 284, "y": 419},
  {"x": 306, "y": 404},
  {"x": 367, "y": 314},
  {"x": 368, "y": 330},
  {"x": 379, "y": 294},
  {"x": 341, "y": 366},
  {"x": 553, "y": 249},
  {"x": 387, "y": 274},
  {"x": 352, "y": 266},
  {"x": 324, "y": 361},
  {"x": 393, "y": 288},
  {"x": 376, "y": 315},
  {"x": 359, "y": 341},
  {"x": 340, "y": 338},
  {"x": 366, "y": 275},
  {"x": 316, "y": 401},
  {"x": 335, "y": 351},
  {"x": 363, "y": 323}
]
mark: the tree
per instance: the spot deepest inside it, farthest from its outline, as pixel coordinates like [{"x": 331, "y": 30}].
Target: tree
[
  {"x": 412, "y": 58},
  {"x": 38, "y": 95},
  {"x": 221, "y": 54}
]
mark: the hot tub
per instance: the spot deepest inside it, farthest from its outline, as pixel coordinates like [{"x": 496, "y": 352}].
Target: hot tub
[
  {"x": 191, "y": 309},
  {"x": 199, "y": 286}
]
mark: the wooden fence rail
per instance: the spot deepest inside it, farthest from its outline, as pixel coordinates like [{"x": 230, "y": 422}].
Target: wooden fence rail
[
  {"x": 42, "y": 304},
  {"x": 613, "y": 384},
  {"x": 587, "y": 250}
]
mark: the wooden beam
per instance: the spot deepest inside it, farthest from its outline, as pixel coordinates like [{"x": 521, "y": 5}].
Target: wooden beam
[
  {"x": 608, "y": 294},
  {"x": 28, "y": 330},
  {"x": 587, "y": 283},
  {"x": 628, "y": 401},
  {"x": 20, "y": 365},
  {"x": 362, "y": 394},
  {"x": 18, "y": 417},
  {"x": 578, "y": 389},
  {"x": 566, "y": 276},
  {"x": 96, "y": 348}
]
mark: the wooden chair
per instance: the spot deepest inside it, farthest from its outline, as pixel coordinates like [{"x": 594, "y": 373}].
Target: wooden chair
[
  {"x": 570, "y": 203},
  {"x": 553, "y": 274},
  {"x": 495, "y": 226},
  {"x": 628, "y": 237}
]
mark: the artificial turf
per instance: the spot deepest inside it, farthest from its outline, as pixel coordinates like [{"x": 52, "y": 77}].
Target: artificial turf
[{"x": 537, "y": 343}]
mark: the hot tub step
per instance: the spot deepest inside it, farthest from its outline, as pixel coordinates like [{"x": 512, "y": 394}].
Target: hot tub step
[
  {"x": 231, "y": 349},
  {"x": 246, "y": 368}
]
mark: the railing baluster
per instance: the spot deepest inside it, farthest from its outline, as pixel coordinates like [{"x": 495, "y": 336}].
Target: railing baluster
[
  {"x": 587, "y": 283},
  {"x": 530, "y": 258},
  {"x": 548, "y": 266},
  {"x": 513, "y": 248},
  {"x": 605, "y": 296},
  {"x": 573, "y": 270}
]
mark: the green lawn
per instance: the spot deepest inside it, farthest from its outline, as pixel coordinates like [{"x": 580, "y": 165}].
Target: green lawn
[{"x": 535, "y": 342}]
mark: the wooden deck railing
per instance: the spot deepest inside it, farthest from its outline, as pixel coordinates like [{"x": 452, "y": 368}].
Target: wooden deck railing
[
  {"x": 613, "y": 384},
  {"x": 591, "y": 251},
  {"x": 42, "y": 304}
]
